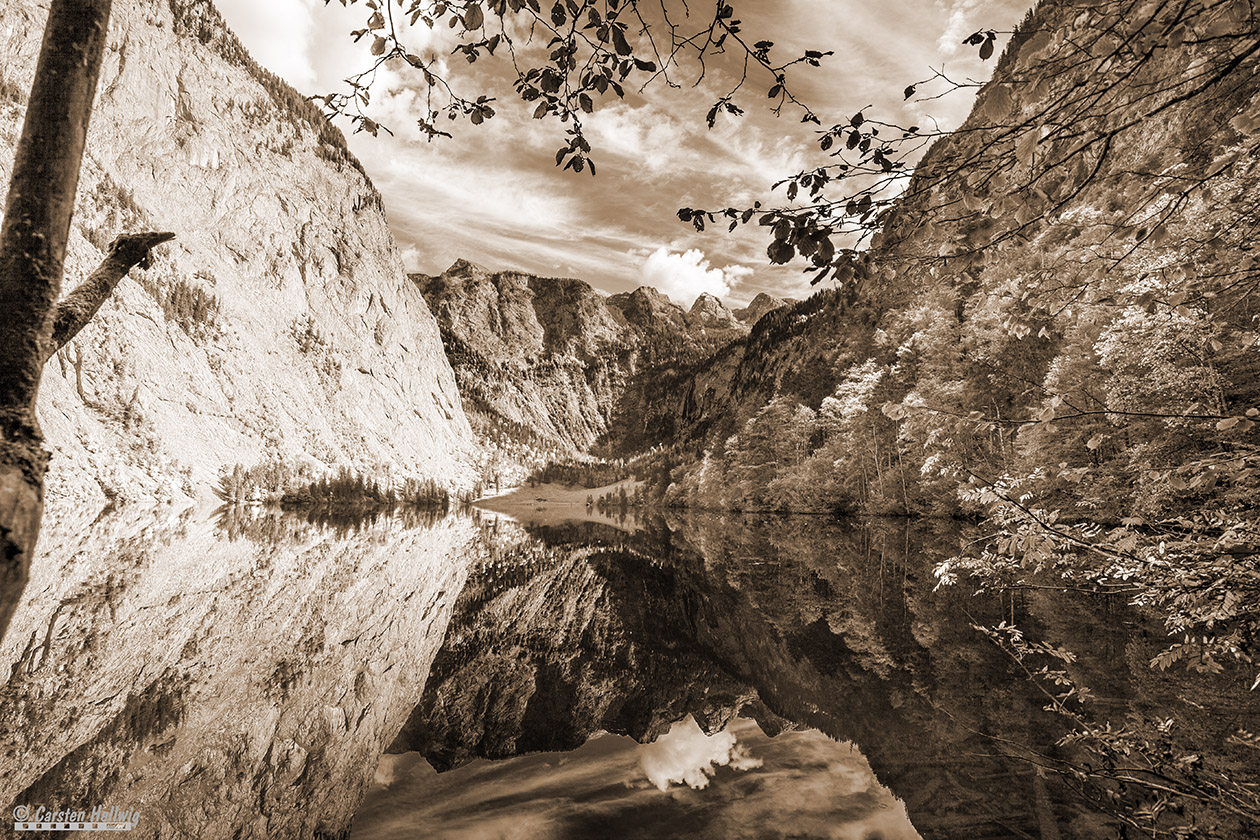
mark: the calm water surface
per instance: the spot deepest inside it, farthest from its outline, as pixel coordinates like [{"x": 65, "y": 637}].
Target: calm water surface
[
  {"x": 255, "y": 675},
  {"x": 717, "y": 676}
]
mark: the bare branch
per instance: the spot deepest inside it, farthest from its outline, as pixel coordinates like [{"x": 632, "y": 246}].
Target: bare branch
[{"x": 80, "y": 306}]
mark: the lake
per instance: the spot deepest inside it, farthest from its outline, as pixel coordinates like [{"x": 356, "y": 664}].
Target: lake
[{"x": 253, "y": 674}]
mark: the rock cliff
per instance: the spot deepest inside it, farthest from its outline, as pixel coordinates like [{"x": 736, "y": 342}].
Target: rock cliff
[
  {"x": 551, "y": 361},
  {"x": 279, "y": 324}
]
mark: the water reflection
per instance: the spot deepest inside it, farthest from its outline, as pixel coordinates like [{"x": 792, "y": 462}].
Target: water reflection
[
  {"x": 735, "y": 783},
  {"x": 273, "y": 525},
  {"x": 794, "y": 623},
  {"x": 240, "y": 677},
  {"x": 223, "y": 688}
]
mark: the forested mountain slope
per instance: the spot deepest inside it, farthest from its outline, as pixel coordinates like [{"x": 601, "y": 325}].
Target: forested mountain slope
[
  {"x": 1063, "y": 300},
  {"x": 280, "y": 323}
]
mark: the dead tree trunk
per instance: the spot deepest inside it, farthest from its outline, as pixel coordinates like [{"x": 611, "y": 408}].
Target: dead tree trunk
[
  {"x": 32, "y": 256},
  {"x": 81, "y": 305}
]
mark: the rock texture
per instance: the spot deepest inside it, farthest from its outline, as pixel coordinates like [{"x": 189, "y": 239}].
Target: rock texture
[
  {"x": 710, "y": 313},
  {"x": 280, "y": 323},
  {"x": 760, "y": 305},
  {"x": 551, "y": 360}
]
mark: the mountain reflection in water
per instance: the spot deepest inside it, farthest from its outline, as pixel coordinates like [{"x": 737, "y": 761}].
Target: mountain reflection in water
[
  {"x": 241, "y": 676},
  {"x": 818, "y": 633}
]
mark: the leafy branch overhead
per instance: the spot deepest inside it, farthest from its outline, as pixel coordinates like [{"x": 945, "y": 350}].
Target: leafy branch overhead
[
  {"x": 1036, "y": 141},
  {"x": 566, "y": 59}
]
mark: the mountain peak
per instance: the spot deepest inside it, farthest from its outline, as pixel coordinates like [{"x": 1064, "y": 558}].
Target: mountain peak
[
  {"x": 463, "y": 266},
  {"x": 759, "y": 306},
  {"x": 711, "y": 313}
]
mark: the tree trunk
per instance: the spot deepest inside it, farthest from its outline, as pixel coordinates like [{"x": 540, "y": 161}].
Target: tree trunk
[{"x": 32, "y": 256}]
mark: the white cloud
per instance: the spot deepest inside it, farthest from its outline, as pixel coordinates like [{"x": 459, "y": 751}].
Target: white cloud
[
  {"x": 278, "y": 35},
  {"x": 685, "y": 755},
  {"x": 411, "y": 259},
  {"x": 959, "y": 25},
  {"x": 645, "y": 136},
  {"x": 685, "y": 276}
]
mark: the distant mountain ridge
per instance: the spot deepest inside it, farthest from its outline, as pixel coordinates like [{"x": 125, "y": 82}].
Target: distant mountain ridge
[{"x": 551, "y": 359}]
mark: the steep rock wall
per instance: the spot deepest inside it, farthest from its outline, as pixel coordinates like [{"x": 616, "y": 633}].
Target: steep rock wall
[
  {"x": 551, "y": 360},
  {"x": 280, "y": 323}
]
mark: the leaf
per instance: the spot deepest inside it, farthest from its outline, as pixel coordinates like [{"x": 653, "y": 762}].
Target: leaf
[
  {"x": 780, "y": 251},
  {"x": 909, "y": 92},
  {"x": 986, "y": 49},
  {"x": 473, "y": 18},
  {"x": 1228, "y": 423},
  {"x": 1025, "y": 149},
  {"x": 1095, "y": 442},
  {"x": 378, "y": 46},
  {"x": 997, "y": 103},
  {"x": 620, "y": 43}
]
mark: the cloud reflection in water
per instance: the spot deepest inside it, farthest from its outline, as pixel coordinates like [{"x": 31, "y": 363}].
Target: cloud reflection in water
[{"x": 737, "y": 783}]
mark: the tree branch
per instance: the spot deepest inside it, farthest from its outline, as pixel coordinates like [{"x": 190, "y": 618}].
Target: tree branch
[{"x": 80, "y": 306}]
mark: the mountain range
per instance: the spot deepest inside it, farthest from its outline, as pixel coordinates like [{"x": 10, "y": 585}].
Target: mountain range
[{"x": 551, "y": 361}]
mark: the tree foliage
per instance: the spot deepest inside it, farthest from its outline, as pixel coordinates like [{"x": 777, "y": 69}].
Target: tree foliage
[
  {"x": 567, "y": 58},
  {"x": 1053, "y": 327}
]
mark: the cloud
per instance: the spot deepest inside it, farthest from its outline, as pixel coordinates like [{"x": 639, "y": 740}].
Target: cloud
[
  {"x": 278, "y": 35},
  {"x": 685, "y": 276},
  {"x": 493, "y": 194},
  {"x": 958, "y": 26},
  {"x": 411, "y": 259},
  {"x": 685, "y": 755}
]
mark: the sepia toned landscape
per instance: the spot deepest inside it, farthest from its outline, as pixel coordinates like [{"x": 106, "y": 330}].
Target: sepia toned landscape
[{"x": 615, "y": 419}]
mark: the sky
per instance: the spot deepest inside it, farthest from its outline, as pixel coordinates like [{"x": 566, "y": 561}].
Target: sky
[
  {"x": 492, "y": 194},
  {"x": 734, "y": 784}
]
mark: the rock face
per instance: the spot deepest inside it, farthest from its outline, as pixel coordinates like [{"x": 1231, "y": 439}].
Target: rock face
[
  {"x": 549, "y": 360},
  {"x": 649, "y": 311},
  {"x": 759, "y": 306},
  {"x": 279, "y": 324},
  {"x": 710, "y": 313}
]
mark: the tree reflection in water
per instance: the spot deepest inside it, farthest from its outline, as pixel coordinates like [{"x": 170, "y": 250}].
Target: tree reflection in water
[
  {"x": 277, "y": 526},
  {"x": 805, "y": 623}
]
